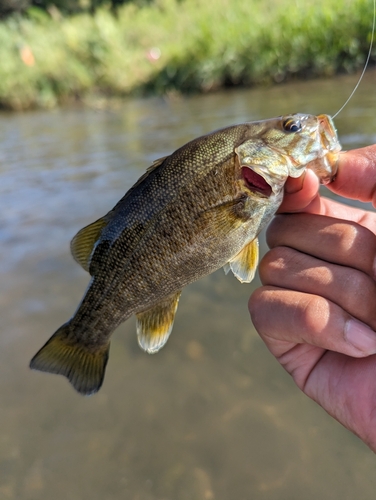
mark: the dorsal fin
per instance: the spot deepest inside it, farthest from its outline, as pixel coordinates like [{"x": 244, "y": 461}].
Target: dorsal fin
[
  {"x": 83, "y": 243},
  {"x": 156, "y": 163},
  {"x": 149, "y": 170}
]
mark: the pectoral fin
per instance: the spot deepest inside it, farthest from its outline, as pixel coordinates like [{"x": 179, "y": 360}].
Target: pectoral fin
[
  {"x": 83, "y": 243},
  {"x": 154, "y": 325},
  {"x": 244, "y": 264}
]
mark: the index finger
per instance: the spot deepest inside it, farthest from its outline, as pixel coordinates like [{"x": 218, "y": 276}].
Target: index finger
[{"x": 356, "y": 179}]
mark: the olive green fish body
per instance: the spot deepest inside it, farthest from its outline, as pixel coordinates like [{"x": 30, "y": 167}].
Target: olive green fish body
[
  {"x": 195, "y": 211},
  {"x": 149, "y": 250}
]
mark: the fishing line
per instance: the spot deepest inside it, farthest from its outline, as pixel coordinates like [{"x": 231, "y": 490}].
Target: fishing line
[{"x": 366, "y": 64}]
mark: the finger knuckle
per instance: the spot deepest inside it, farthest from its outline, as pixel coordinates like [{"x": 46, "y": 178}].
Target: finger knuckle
[{"x": 314, "y": 314}]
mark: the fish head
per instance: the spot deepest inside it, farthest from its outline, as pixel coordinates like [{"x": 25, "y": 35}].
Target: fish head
[{"x": 284, "y": 147}]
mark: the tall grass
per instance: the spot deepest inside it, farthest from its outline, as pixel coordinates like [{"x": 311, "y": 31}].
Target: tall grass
[{"x": 184, "y": 45}]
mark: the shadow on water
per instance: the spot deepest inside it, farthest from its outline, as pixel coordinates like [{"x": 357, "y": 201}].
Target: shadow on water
[{"x": 213, "y": 415}]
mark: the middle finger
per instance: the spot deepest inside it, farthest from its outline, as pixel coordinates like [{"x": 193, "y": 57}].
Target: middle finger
[
  {"x": 351, "y": 289},
  {"x": 327, "y": 238}
]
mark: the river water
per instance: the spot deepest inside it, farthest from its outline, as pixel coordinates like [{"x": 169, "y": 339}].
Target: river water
[{"x": 213, "y": 415}]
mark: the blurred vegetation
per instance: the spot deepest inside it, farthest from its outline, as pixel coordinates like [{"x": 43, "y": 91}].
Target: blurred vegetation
[
  {"x": 115, "y": 48},
  {"x": 9, "y": 7}
]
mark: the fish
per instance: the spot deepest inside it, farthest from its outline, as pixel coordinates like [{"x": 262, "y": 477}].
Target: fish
[{"x": 191, "y": 213}]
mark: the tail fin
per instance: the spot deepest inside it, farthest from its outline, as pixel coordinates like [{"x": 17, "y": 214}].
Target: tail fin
[{"x": 62, "y": 354}]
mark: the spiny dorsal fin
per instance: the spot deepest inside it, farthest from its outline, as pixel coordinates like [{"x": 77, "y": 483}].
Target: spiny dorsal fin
[
  {"x": 62, "y": 354},
  {"x": 83, "y": 243},
  {"x": 149, "y": 170},
  {"x": 156, "y": 163},
  {"x": 244, "y": 264},
  {"x": 154, "y": 325}
]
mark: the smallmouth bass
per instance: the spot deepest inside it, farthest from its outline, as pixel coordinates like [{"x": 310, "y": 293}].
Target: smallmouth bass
[{"x": 192, "y": 212}]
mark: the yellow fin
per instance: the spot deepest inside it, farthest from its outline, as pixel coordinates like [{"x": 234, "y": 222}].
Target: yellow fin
[
  {"x": 244, "y": 264},
  {"x": 83, "y": 243},
  {"x": 154, "y": 325},
  {"x": 83, "y": 368}
]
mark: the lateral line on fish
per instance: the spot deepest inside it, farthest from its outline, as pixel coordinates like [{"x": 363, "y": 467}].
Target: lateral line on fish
[{"x": 365, "y": 65}]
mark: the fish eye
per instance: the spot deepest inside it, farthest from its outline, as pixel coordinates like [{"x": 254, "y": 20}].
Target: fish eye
[{"x": 292, "y": 125}]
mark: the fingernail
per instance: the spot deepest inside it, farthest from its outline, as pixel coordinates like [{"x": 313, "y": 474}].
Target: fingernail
[
  {"x": 294, "y": 185},
  {"x": 360, "y": 336}
]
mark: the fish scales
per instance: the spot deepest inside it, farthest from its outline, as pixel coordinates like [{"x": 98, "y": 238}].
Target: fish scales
[
  {"x": 140, "y": 230},
  {"x": 197, "y": 210},
  {"x": 140, "y": 256}
]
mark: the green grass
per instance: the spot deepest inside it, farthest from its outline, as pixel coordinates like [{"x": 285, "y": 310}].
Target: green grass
[{"x": 203, "y": 45}]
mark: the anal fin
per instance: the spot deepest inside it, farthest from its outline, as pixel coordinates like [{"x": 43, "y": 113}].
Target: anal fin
[
  {"x": 244, "y": 264},
  {"x": 155, "y": 324}
]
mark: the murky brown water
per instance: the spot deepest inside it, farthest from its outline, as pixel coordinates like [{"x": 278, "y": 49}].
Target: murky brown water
[{"x": 213, "y": 415}]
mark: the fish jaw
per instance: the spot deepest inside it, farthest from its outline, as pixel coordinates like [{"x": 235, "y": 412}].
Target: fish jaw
[
  {"x": 314, "y": 145},
  {"x": 326, "y": 146},
  {"x": 326, "y": 167},
  {"x": 285, "y": 147}
]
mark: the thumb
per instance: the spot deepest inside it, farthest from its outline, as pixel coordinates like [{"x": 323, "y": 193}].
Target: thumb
[
  {"x": 356, "y": 176},
  {"x": 300, "y": 193}
]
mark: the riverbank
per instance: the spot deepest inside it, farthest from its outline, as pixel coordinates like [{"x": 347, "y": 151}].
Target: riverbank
[{"x": 172, "y": 45}]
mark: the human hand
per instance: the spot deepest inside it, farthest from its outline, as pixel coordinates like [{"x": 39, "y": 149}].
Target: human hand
[{"x": 317, "y": 309}]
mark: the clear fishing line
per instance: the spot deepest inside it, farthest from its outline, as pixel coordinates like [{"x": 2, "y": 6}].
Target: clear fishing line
[{"x": 367, "y": 61}]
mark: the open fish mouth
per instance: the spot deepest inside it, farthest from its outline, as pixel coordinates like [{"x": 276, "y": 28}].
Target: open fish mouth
[{"x": 256, "y": 182}]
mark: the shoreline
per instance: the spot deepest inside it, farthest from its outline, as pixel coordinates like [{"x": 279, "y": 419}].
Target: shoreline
[{"x": 172, "y": 47}]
